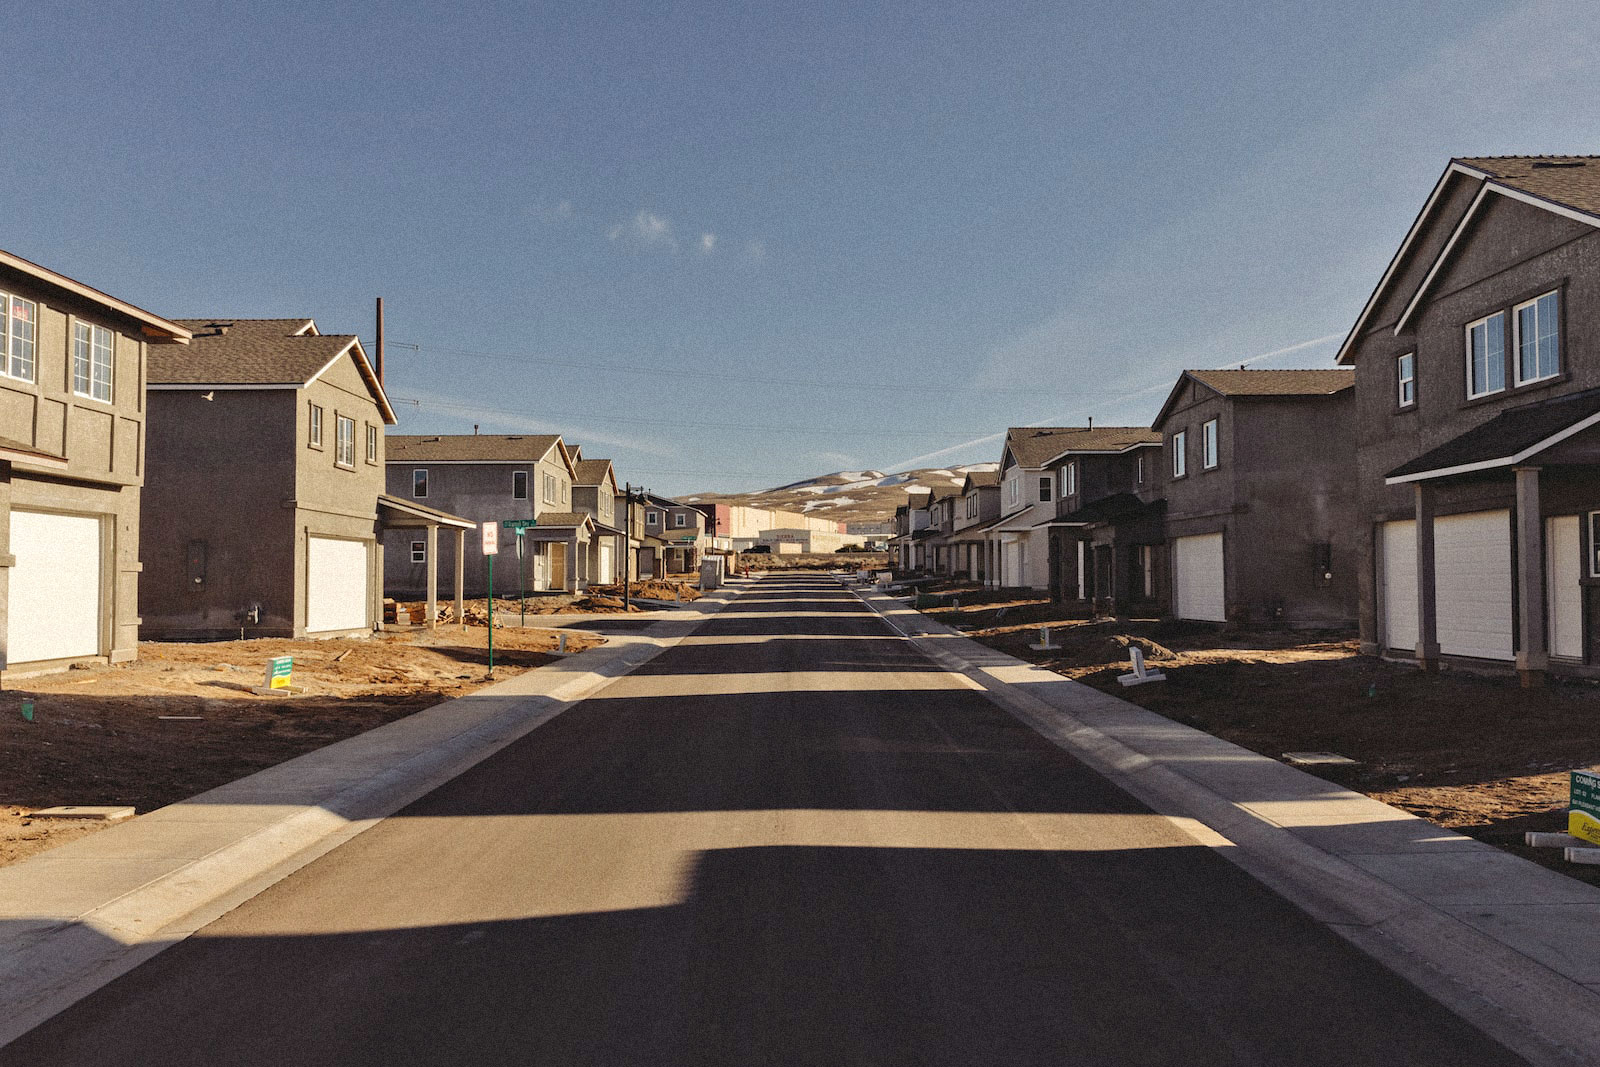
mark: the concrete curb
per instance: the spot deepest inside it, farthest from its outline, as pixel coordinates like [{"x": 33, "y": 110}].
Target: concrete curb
[
  {"x": 78, "y": 916},
  {"x": 1508, "y": 945}
]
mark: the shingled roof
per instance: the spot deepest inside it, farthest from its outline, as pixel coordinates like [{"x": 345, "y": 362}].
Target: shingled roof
[
  {"x": 1511, "y": 437},
  {"x": 1573, "y": 181},
  {"x": 470, "y": 447},
  {"x": 590, "y": 471},
  {"x": 980, "y": 480},
  {"x": 1262, "y": 383},
  {"x": 257, "y": 353},
  {"x": 1068, "y": 439}
]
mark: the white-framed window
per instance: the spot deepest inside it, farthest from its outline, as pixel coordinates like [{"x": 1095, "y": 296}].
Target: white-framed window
[
  {"x": 1594, "y": 544},
  {"x": 1045, "y": 486},
  {"x": 1138, "y": 469},
  {"x": 1405, "y": 374},
  {"x": 19, "y": 328},
  {"x": 372, "y": 443},
  {"x": 316, "y": 426},
  {"x": 679, "y": 520},
  {"x": 419, "y": 483},
  {"x": 1486, "y": 355},
  {"x": 519, "y": 485},
  {"x": 652, "y": 518},
  {"x": 1014, "y": 490},
  {"x": 419, "y": 552},
  {"x": 1536, "y": 326},
  {"x": 1208, "y": 444},
  {"x": 548, "y": 488},
  {"x": 972, "y": 505},
  {"x": 91, "y": 361},
  {"x": 1069, "y": 479},
  {"x": 344, "y": 452},
  {"x": 1180, "y": 459},
  {"x": 564, "y": 489}
]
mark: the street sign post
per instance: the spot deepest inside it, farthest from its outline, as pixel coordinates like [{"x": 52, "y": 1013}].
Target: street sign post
[
  {"x": 491, "y": 548},
  {"x": 520, "y": 527},
  {"x": 1583, "y": 815}
]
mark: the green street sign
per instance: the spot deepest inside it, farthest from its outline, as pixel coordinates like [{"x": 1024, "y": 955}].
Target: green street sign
[
  {"x": 1583, "y": 817},
  {"x": 518, "y": 524}
]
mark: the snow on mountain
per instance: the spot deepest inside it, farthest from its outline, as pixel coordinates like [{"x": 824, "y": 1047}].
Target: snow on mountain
[{"x": 852, "y": 496}]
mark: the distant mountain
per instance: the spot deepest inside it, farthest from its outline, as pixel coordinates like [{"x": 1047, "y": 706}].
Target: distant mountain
[{"x": 849, "y": 496}]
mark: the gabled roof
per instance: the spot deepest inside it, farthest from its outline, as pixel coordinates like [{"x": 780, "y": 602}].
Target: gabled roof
[
  {"x": 154, "y": 327},
  {"x": 918, "y": 501},
  {"x": 1033, "y": 446},
  {"x": 258, "y": 354},
  {"x": 471, "y": 448},
  {"x": 1511, "y": 437},
  {"x": 980, "y": 480},
  {"x": 1101, "y": 440},
  {"x": 1565, "y": 185},
  {"x": 1245, "y": 384},
  {"x": 593, "y": 472}
]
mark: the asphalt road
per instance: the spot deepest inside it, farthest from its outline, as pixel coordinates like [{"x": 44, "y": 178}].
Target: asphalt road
[{"x": 788, "y": 840}]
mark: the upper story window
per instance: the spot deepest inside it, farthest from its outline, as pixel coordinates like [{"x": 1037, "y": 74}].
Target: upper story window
[
  {"x": 1208, "y": 445},
  {"x": 18, "y": 336},
  {"x": 419, "y": 483},
  {"x": 564, "y": 489},
  {"x": 1044, "y": 488},
  {"x": 1138, "y": 469},
  {"x": 1069, "y": 479},
  {"x": 1405, "y": 373},
  {"x": 652, "y": 518},
  {"x": 548, "y": 488},
  {"x": 1537, "y": 328},
  {"x": 1486, "y": 355},
  {"x": 519, "y": 485},
  {"x": 344, "y": 453},
  {"x": 1014, "y": 490},
  {"x": 972, "y": 506},
  {"x": 91, "y": 361},
  {"x": 1180, "y": 459},
  {"x": 679, "y": 519},
  {"x": 372, "y": 443},
  {"x": 316, "y": 426}
]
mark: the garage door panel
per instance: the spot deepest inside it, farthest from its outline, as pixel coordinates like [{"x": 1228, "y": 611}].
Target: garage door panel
[
  {"x": 1472, "y": 584},
  {"x": 1198, "y": 589},
  {"x": 54, "y": 588},
  {"x": 337, "y": 577}
]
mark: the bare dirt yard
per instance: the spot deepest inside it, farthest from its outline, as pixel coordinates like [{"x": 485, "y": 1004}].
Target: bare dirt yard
[
  {"x": 183, "y": 719},
  {"x": 597, "y": 600},
  {"x": 1475, "y": 753},
  {"x": 814, "y": 561}
]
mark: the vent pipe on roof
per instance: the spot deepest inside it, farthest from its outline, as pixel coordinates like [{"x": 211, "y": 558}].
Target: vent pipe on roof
[
  {"x": 380, "y": 342},
  {"x": 1091, "y": 422},
  {"x": 474, "y": 429}
]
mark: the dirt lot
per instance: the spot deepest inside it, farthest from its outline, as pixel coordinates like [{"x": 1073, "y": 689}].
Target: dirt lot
[
  {"x": 814, "y": 561},
  {"x": 1476, "y": 753},
  {"x": 123, "y": 735}
]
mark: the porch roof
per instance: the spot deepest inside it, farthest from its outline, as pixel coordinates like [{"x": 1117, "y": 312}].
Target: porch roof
[
  {"x": 399, "y": 514},
  {"x": 1511, "y": 437},
  {"x": 1116, "y": 508}
]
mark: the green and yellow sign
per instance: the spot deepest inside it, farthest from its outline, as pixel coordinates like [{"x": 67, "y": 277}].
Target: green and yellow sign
[
  {"x": 279, "y": 671},
  {"x": 1583, "y": 815}
]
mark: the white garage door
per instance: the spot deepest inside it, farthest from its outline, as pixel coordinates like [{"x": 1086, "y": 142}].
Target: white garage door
[
  {"x": 1400, "y": 585},
  {"x": 1472, "y": 584},
  {"x": 336, "y": 585},
  {"x": 53, "y": 610},
  {"x": 1564, "y": 576},
  {"x": 1197, "y": 591}
]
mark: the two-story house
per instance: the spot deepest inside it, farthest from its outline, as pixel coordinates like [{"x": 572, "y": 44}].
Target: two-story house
[
  {"x": 1477, "y": 362},
  {"x": 265, "y": 473},
  {"x": 72, "y": 428},
  {"x": 910, "y": 521},
  {"x": 1260, "y": 496},
  {"x": 977, "y": 509},
  {"x": 492, "y": 478},
  {"x": 1020, "y": 543},
  {"x": 1106, "y": 536},
  {"x": 595, "y": 493},
  {"x": 675, "y": 537},
  {"x": 941, "y": 525}
]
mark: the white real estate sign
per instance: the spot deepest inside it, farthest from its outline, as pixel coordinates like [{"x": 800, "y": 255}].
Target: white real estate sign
[{"x": 53, "y": 611}]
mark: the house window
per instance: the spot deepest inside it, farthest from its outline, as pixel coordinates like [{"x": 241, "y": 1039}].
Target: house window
[
  {"x": 1138, "y": 468},
  {"x": 679, "y": 519},
  {"x": 1208, "y": 445},
  {"x": 419, "y": 552},
  {"x": 1069, "y": 483},
  {"x": 564, "y": 488},
  {"x": 1044, "y": 488},
  {"x": 91, "y": 361},
  {"x": 1486, "y": 355},
  {"x": 1180, "y": 462},
  {"x": 972, "y": 505},
  {"x": 1594, "y": 544},
  {"x": 316, "y": 426},
  {"x": 372, "y": 443},
  {"x": 1538, "y": 338},
  {"x": 519, "y": 485},
  {"x": 548, "y": 488},
  {"x": 419, "y": 483},
  {"x": 1406, "y": 376},
  {"x": 344, "y": 441},
  {"x": 1014, "y": 491},
  {"x": 652, "y": 518},
  {"x": 17, "y": 336}
]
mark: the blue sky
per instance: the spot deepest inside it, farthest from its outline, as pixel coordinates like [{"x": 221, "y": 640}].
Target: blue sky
[{"x": 733, "y": 245}]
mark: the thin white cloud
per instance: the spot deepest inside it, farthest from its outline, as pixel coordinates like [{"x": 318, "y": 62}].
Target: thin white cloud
[
  {"x": 708, "y": 242},
  {"x": 756, "y": 250},
  {"x": 644, "y": 230},
  {"x": 561, "y": 211}
]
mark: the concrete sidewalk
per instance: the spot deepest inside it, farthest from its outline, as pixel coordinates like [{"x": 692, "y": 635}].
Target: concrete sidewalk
[
  {"x": 77, "y": 916},
  {"x": 1511, "y": 946}
]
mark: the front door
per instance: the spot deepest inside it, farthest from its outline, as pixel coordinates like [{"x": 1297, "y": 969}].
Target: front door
[{"x": 558, "y": 565}]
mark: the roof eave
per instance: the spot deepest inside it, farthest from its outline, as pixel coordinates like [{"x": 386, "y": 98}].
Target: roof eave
[{"x": 153, "y": 326}]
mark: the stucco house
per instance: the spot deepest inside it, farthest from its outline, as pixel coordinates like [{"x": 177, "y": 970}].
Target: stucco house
[
  {"x": 1019, "y": 544},
  {"x": 941, "y": 526},
  {"x": 264, "y": 495},
  {"x": 977, "y": 509},
  {"x": 491, "y": 478},
  {"x": 72, "y": 450},
  {"x": 1107, "y": 540},
  {"x": 910, "y": 522},
  {"x": 1477, "y": 363},
  {"x": 675, "y": 536},
  {"x": 595, "y": 493},
  {"x": 1260, "y": 496}
]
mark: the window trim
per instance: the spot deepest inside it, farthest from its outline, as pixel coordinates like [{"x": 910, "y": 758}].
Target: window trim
[
  {"x": 1210, "y": 452},
  {"x": 414, "y": 472},
  {"x": 1180, "y": 460},
  {"x": 1047, "y": 488},
  {"x": 339, "y": 423},
  {"x": 514, "y": 476},
  {"x": 419, "y": 552},
  {"x": 1069, "y": 483},
  {"x": 1516, "y": 339},
  {"x": 547, "y": 488},
  {"x": 652, "y": 518},
  {"x": 1138, "y": 470},
  {"x": 111, "y": 362},
  {"x": 314, "y": 433},
  {"x": 1403, "y": 381},
  {"x": 372, "y": 444},
  {"x": 8, "y": 302},
  {"x": 679, "y": 520},
  {"x": 1467, "y": 337}
]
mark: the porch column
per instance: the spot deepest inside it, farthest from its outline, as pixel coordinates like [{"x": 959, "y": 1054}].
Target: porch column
[
  {"x": 1533, "y": 651},
  {"x": 1427, "y": 607},
  {"x": 461, "y": 581},
  {"x": 433, "y": 576}
]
